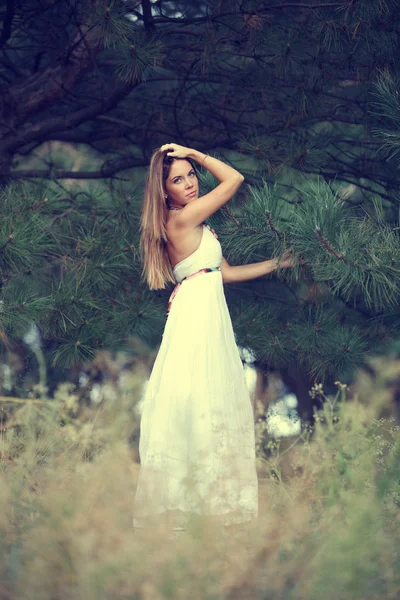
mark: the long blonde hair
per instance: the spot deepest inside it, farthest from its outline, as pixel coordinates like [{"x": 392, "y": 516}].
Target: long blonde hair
[{"x": 157, "y": 269}]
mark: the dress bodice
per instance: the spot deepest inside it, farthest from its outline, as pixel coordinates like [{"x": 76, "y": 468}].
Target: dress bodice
[{"x": 208, "y": 254}]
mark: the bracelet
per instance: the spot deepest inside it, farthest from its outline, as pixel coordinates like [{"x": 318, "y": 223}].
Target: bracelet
[{"x": 202, "y": 162}]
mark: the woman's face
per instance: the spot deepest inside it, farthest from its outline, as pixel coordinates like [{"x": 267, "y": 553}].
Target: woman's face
[{"x": 182, "y": 184}]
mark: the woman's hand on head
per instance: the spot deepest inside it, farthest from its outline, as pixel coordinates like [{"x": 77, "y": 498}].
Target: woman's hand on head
[{"x": 175, "y": 150}]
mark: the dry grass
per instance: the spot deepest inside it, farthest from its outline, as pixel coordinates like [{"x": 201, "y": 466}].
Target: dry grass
[{"x": 329, "y": 522}]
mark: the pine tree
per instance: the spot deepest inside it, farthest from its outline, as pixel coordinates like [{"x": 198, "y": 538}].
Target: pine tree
[
  {"x": 286, "y": 92},
  {"x": 286, "y": 84}
]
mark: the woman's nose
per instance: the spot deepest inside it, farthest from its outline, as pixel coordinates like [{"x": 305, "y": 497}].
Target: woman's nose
[{"x": 189, "y": 183}]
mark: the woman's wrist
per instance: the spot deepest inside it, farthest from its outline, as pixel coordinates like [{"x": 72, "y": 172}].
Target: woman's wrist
[
  {"x": 274, "y": 262},
  {"x": 197, "y": 155}
]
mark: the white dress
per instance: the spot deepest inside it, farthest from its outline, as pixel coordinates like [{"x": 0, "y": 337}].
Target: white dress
[{"x": 197, "y": 440}]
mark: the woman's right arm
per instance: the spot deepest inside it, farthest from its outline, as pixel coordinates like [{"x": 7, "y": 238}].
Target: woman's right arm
[{"x": 220, "y": 170}]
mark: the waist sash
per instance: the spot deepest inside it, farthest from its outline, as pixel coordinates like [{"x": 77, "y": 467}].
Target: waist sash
[{"x": 176, "y": 288}]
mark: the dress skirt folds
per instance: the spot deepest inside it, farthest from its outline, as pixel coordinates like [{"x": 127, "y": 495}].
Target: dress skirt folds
[{"x": 197, "y": 441}]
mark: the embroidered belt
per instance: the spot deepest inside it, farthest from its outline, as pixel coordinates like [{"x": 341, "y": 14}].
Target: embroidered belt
[{"x": 176, "y": 288}]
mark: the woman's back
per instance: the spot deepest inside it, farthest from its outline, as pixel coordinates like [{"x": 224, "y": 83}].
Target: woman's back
[{"x": 182, "y": 242}]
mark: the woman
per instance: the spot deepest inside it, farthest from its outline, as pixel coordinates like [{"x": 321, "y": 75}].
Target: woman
[{"x": 197, "y": 446}]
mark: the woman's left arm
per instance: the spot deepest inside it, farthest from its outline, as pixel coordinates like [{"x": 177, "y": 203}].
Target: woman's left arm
[{"x": 233, "y": 274}]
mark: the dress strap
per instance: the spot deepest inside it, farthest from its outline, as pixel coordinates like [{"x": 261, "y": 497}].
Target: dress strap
[
  {"x": 176, "y": 288},
  {"x": 212, "y": 230}
]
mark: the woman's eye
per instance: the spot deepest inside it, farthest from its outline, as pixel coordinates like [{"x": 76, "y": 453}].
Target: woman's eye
[{"x": 177, "y": 180}]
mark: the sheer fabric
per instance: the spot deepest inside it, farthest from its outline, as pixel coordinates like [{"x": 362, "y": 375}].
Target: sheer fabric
[{"x": 197, "y": 441}]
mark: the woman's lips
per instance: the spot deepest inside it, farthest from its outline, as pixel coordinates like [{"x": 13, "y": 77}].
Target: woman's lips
[{"x": 191, "y": 194}]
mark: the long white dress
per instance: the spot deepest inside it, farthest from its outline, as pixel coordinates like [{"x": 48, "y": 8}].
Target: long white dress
[{"x": 197, "y": 440}]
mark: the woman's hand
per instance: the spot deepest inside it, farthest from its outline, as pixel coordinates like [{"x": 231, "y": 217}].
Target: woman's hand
[
  {"x": 176, "y": 151},
  {"x": 287, "y": 260}
]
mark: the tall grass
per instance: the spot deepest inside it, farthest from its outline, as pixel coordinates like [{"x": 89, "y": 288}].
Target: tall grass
[{"x": 329, "y": 522}]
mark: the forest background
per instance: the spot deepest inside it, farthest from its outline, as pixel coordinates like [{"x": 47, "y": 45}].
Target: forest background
[{"x": 302, "y": 98}]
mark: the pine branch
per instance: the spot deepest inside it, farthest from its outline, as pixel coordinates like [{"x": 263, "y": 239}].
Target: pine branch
[
  {"x": 7, "y": 23},
  {"x": 271, "y": 225},
  {"x": 230, "y": 214},
  {"x": 80, "y": 137},
  {"x": 327, "y": 245},
  {"x": 219, "y": 16},
  {"x": 341, "y": 176},
  {"x": 32, "y": 94},
  {"x": 109, "y": 169},
  {"x": 147, "y": 15},
  {"x": 73, "y": 119},
  {"x": 9, "y": 241},
  {"x": 309, "y": 6}
]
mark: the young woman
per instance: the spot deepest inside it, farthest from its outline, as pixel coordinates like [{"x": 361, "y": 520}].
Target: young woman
[{"x": 197, "y": 441}]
